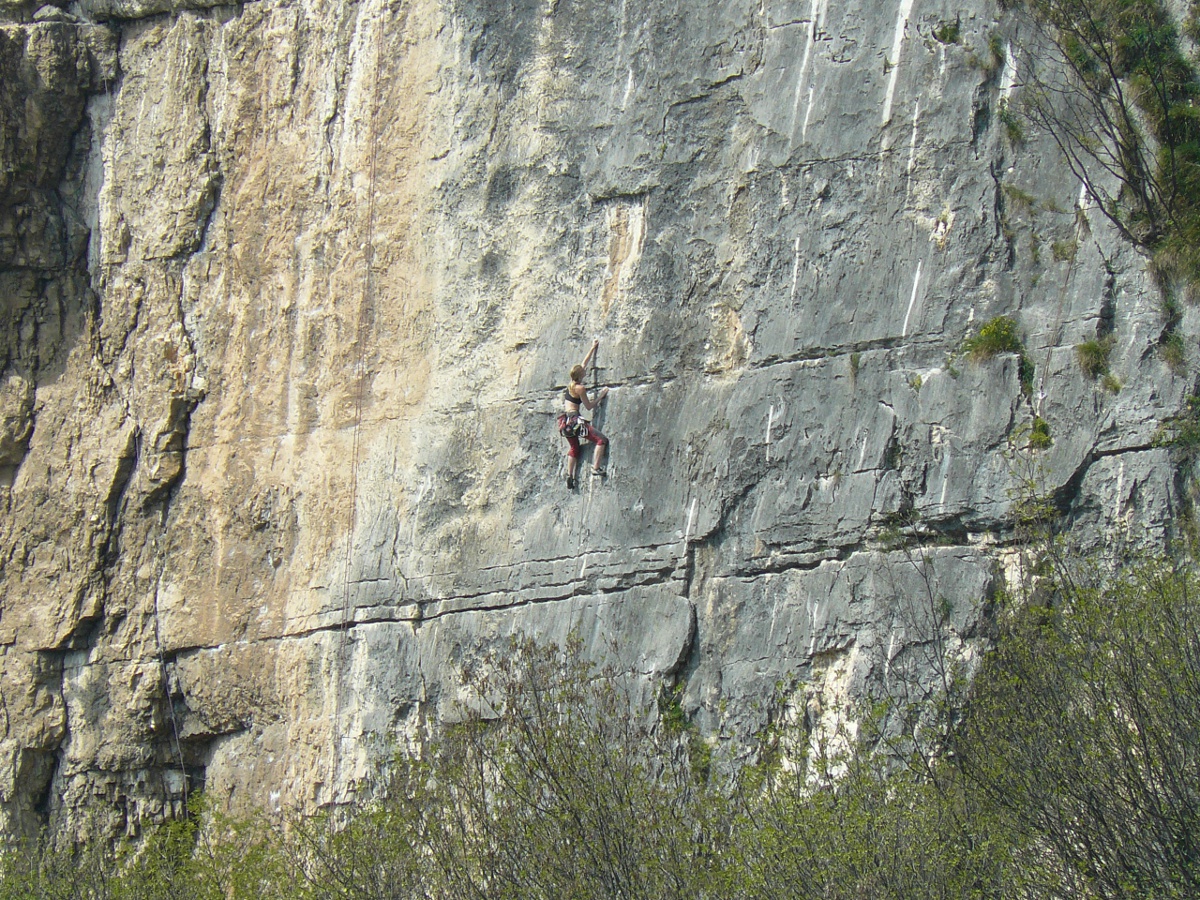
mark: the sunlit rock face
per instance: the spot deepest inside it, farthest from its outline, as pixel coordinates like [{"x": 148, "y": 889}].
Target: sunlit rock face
[{"x": 291, "y": 291}]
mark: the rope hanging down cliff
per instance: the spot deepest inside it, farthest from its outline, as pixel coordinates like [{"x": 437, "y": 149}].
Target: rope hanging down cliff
[{"x": 360, "y": 375}]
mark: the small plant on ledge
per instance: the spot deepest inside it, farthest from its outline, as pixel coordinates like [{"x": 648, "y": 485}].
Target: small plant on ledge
[
  {"x": 1093, "y": 356},
  {"x": 996, "y": 337},
  {"x": 1039, "y": 434}
]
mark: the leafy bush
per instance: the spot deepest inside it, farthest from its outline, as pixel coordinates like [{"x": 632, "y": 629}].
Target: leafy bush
[
  {"x": 1014, "y": 130},
  {"x": 876, "y": 830},
  {"x": 997, "y": 336},
  {"x": 202, "y": 857},
  {"x": 1070, "y": 770},
  {"x": 947, "y": 32},
  {"x": 555, "y": 784},
  {"x": 1064, "y": 251},
  {"x": 1174, "y": 351},
  {"x": 1084, "y": 726},
  {"x": 1022, "y": 200},
  {"x": 1039, "y": 434},
  {"x": 1112, "y": 84},
  {"x": 1183, "y": 431}
]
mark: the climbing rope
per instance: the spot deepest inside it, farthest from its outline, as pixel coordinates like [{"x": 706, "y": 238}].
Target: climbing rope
[
  {"x": 584, "y": 531},
  {"x": 360, "y": 377},
  {"x": 1058, "y": 322}
]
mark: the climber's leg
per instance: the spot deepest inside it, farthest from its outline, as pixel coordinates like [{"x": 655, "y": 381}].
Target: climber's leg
[
  {"x": 601, "y": 443},
  {"x": 572, "y": 459}
]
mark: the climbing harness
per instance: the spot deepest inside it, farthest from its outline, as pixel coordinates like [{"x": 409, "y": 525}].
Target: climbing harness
[
  {"x": 573, "y": 425},
  {"x": 1058, "y": 320}
]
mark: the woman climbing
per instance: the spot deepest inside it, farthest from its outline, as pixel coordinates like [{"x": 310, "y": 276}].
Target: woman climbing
[{"x": 574, "y": 427}]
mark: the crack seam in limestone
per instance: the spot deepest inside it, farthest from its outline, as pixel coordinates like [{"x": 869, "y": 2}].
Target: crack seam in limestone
[
  {"x": 414, "y": 621},
  {"x": 658, "y": 575},
  {"x": 651, "y": 565},
  {"x": 556, "y": 559},
  {"x": 1117, "y": 451},
  {"x": 667, "y": 549},
  {"x": 648, "y": 566},
  {"x": 701, "y": 98},
  {"x": 845, "y": 554}
]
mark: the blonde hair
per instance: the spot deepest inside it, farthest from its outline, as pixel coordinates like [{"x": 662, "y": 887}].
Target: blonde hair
[{"x": 577, "y": 373}]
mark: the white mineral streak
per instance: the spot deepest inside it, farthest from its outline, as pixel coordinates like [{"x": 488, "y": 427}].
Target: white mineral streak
[
  {"x": 912, "y": 141},
  {"x": 912, "y": 300},
  {"x": 893, "y": 59},
  {"x": 1008, "y": 77},
  {"x": 801, "y": 77}
]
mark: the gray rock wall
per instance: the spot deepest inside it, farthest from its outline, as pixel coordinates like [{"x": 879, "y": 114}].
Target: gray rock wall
[{"x": 292, "y": 292}]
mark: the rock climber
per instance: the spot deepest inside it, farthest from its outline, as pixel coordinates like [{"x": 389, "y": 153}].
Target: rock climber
[{"x": 574, "y": 427}]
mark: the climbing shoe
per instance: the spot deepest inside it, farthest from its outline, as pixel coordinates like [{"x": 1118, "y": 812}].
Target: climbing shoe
[
  {"x": 600, "y": 473},
  {"x": 571, "y": 482}
]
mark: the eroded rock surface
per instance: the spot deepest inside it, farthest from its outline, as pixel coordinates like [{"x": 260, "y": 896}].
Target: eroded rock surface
[{"x": 291, "y": 293}]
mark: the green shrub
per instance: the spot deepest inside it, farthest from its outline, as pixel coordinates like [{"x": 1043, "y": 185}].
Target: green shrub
[
  {"x": 1117, "y": 90},
  {"x": 1084, "y": 726},
  {"x": 1014, "y": 128},
  {"x": 1174, "y": 352},
  {"x": 996, "y": 337},
  {"x": 1064, "y": 251},
  {"x": 841, "y": 821},
  {"x": 1039, "y": 434},
  {"x": 996, "y": 49},
  {"x": 1093, "y": 356},
  {"x": 990, "y": 61},
  {"x": 204, "y": 856},
  {"x": 1183, "y": 431},
  {"x": 1021, "y": 200},
  {"x": 558, "y": 785},
  {"x": 947, "y": 32}
]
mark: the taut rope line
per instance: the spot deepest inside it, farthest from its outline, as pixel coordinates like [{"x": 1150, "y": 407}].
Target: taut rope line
[{"x": 360, "y": 377}]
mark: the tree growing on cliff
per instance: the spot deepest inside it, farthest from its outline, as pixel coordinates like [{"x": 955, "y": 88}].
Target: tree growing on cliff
[{"x": 1111, "y": 83}]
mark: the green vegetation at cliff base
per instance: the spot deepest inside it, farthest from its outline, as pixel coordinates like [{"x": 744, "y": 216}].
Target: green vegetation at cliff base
[{"x": 1069, "y": 768}]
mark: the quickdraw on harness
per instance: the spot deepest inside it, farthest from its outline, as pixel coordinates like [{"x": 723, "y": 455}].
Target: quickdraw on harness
[{"x": 572, "y": 425}]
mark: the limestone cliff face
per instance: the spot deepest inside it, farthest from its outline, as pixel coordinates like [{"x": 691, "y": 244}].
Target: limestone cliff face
[{"x": 290, "y": 287}]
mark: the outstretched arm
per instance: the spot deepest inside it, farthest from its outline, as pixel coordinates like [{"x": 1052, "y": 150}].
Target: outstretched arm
[{"x": 587, "y": 360}]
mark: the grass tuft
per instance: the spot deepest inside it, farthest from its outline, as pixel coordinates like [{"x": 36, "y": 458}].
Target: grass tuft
[
  {"x": 947, "y": 32},
  {"x": 996, "y": 337},
  {"x": 1093, "y": 356}
]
